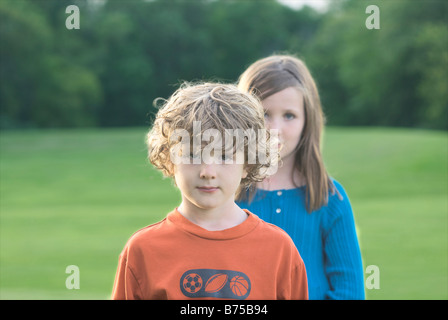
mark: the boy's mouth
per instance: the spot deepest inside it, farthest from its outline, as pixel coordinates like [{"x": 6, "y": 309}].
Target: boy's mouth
[{"x": 208, "y": 189}]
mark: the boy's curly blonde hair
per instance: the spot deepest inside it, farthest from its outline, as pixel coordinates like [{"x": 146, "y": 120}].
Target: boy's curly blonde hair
[{"x": 216, "y": 106}]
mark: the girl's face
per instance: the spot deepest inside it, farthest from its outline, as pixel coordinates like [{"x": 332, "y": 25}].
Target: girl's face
[{"x": 285, "y": 112}]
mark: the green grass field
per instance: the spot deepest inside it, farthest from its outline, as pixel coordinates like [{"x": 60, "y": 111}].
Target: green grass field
[{"x": 73, "y": 197}]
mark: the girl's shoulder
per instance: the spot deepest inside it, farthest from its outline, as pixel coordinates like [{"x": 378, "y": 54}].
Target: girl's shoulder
[
  {"x": 338, "y": 206},
  {"x": 339, "y": 191}
]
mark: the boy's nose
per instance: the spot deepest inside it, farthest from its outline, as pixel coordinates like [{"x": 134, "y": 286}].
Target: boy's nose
[{"x": 207, "y": 171}]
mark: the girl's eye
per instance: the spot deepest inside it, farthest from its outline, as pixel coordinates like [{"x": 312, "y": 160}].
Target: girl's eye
[
  {"x": 289, "y": 116},
  {"x": 266, "y": 115}
]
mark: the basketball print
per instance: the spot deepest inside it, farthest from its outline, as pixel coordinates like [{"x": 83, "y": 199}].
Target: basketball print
[
  {"x": 239, "y": 286},
  {"x": 192, "y": 282}
]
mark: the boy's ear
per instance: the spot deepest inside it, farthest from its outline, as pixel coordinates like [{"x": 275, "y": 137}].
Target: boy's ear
[{"x": 244, "y": 173}]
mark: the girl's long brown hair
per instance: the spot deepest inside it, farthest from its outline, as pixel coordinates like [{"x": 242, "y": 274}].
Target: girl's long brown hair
[{"x": 274, "y": 74}]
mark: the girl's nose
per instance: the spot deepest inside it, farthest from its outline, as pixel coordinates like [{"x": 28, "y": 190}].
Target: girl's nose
[{"x": 274, "y": 123}]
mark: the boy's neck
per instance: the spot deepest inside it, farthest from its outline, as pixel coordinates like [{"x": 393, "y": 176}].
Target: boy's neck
[{"x": 216, "y": 219}]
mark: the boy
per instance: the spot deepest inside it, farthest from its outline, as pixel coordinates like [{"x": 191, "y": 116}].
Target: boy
[{"x": 208, "y": 247}]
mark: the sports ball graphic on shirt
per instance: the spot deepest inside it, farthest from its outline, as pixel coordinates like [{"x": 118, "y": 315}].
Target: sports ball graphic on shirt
[
  {"x": 226, "y": 284},
  {"x": 239, "y": 285},
  {"x": 192, "y": 282},
  {"x": 216, "y": 282}
]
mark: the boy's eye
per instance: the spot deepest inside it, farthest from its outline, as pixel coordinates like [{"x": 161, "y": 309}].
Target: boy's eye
[
  {"x": 225, "y": 157},
  {"x": 194, "y": 155}
]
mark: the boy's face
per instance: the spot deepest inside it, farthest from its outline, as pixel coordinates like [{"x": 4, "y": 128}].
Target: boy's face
[{"x": 208, "y": 186}]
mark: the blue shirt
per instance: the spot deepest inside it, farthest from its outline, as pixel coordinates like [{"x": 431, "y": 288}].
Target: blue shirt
[{"x": 326, "y": 239}]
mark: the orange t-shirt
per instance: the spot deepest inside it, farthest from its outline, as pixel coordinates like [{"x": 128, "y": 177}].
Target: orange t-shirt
[{"x": 176, "y": 259}]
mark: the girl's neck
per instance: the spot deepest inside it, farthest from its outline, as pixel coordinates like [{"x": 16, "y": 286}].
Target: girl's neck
[{"x": 286, "y": 177}]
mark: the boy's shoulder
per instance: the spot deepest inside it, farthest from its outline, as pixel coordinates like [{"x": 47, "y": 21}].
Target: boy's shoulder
[{"x": 149, "y": 233}]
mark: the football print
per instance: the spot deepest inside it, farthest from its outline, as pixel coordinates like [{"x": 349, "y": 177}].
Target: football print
[{"x": 216, "y": 282}]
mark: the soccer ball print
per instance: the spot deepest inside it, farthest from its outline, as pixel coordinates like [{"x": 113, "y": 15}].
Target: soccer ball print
[{"x": 192, "y": 282}]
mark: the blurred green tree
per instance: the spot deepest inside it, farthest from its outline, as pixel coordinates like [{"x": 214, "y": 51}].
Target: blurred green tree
[
  {"x": 127, "y": 53},
  {"x": 393, "y": 76},
  {"x": 40, "y": 86}
]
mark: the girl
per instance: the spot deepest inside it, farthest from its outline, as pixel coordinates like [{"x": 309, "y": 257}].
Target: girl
[{"x": 300, "y": 197}]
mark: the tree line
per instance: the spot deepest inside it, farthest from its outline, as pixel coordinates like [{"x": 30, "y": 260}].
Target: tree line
[{"x": 125, "y": 54}]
